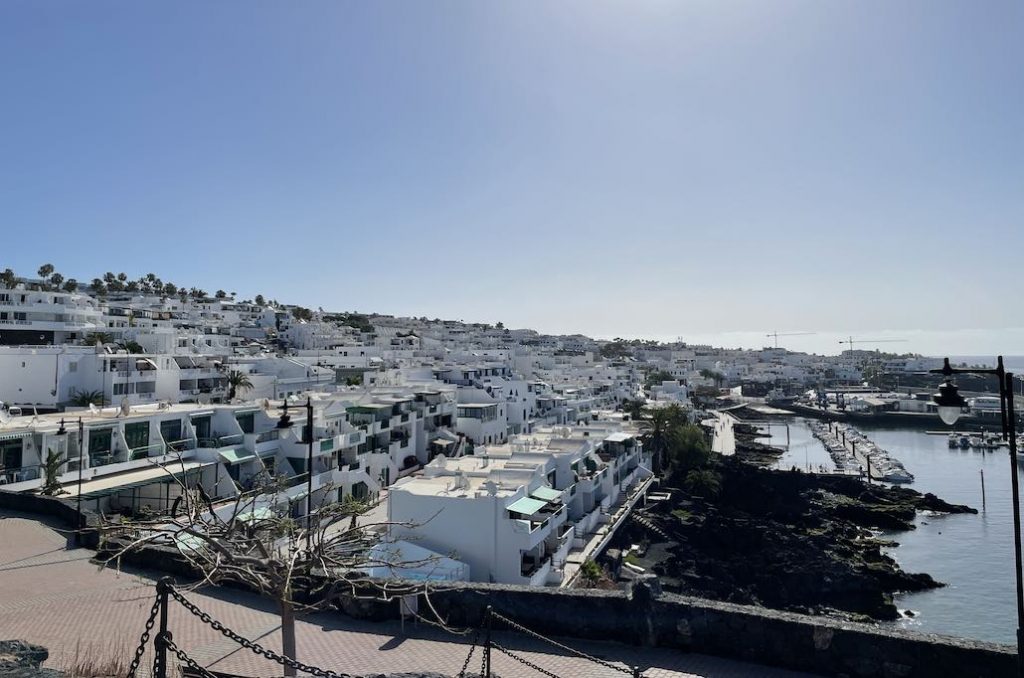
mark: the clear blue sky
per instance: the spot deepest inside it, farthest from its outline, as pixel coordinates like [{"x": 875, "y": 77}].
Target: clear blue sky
[{"x": 634, "y": 168}]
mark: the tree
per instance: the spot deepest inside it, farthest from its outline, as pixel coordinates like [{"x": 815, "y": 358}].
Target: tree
[
  {"x": 260, "y": 301},
  {"x": 634, "y": 408},
  {"x": 220, "y": 294},
  {"x": 51, "y": 471},
  {"x": 56, "y": 280},
  {"x": 70, "y": 285},
  {"x": 131, "y": 347},
  {"x": 86, "y": 398},
  {"x": 94, "y": 338},
  {"x": 45, "y": 271},
  {"x": 703, "y": 483},
  {"x": 499, "y": 325},
  {"x": 8, "y": 278},
  {"x": 656, "y": 378},
  {"x": 238, "y": 381},
  {"x": 253, "y": 541},
  {"x": 170, "y": 289},
  {"x": 714, "y": 376},
  {"x": 132, "y": 286}
]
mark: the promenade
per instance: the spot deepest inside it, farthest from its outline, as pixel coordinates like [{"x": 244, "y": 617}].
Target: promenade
[{"x": 56, "y": 598}]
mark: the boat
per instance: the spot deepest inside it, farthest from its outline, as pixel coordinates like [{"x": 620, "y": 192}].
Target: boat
[
  {"x": 977, "y": 442},
  {"x": 954, "y": 440}
]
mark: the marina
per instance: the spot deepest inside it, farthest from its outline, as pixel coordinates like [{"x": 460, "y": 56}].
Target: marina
[{"x": 854, "y": 453}]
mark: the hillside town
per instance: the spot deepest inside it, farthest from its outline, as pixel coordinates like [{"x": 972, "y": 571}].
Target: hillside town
[{"x": 519, "y": 444}]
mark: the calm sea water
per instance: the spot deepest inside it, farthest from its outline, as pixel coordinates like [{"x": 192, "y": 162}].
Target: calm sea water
[{"x": 972, "y": 554}]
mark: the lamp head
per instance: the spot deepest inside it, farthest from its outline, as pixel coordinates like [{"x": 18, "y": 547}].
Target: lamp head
[
  {"x": 949, "y": 401},
  {"x": 285, "y": 421}
]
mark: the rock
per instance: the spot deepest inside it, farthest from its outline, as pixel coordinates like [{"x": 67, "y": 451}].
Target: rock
[{"x": 790, "y": 541}]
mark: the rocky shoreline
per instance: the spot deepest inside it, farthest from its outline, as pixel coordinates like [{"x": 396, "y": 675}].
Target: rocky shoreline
[{"x": 782, "y": 539}]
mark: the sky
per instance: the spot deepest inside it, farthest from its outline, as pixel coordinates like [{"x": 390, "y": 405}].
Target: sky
[{"x": 641, "y": 168}]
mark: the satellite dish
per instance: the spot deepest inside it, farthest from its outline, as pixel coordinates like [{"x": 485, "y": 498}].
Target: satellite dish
[
  {"x": 126, "y": 407},
  {"x": 203, "y": 399},
  {"x": 93, "y": 409},
  {"x": 266, "y": 404}
]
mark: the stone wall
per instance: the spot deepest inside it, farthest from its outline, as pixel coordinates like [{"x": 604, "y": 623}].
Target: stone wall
[{"x": 642, "y": 616}]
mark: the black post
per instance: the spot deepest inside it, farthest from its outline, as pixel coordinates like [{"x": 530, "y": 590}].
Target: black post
[
  {"x": 159, "y": 643},
  {"x": 1006, "y": 388},
  {"x": 309, "y": 473},
  {"x": 636, "y": 672},
  {"x": 81, "y": 463},
  {"x": 487, "y": 642}
]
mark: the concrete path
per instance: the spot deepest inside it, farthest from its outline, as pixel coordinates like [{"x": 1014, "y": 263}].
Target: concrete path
[{"x": 55, "y": 597}]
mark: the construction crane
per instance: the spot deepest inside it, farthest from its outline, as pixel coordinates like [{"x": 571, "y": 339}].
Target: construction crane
[
  {"x": 786, "y": 334},
  {"x": 850, "y": 341}
]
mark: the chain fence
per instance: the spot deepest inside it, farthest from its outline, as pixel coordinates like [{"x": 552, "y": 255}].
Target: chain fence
[{"x": 163, "y": 643}]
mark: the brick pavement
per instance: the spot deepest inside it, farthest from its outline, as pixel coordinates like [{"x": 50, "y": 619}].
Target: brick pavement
[{"x": 57, "y": 598}]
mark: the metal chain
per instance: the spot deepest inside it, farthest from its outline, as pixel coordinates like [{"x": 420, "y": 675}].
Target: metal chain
[
  {"x": 582, "y": 655},
  {"x": 522, "y": 660},
  {"x": 255, "y": 647},
  {"x": 144, "y": 639},
  {"x": 472, "y": 649},
  {"x": 184, "y": 658}
]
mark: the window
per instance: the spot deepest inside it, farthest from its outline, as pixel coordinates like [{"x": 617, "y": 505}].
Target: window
[
  {"x": 170, "y": 430},
  {"x": 247, "y": 422},
  {"x": 137, "y": 435},
  {"x": 99, "y": 440},
  {"x": 10, "y": 454}
]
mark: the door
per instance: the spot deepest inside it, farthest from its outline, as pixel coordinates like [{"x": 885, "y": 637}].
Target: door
[{"x": 137, "y": 437}]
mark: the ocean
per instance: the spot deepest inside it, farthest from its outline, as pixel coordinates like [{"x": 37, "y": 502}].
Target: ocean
[{"x": 971, "y": 554}]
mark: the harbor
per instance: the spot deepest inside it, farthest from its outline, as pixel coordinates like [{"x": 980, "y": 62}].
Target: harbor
[
  {"x": 854, "y": 453},
  {"x": 972, "y": 554}
]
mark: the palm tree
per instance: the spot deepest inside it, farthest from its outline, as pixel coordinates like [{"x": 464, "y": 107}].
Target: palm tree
[
  {"x": 86, "y": 398},
  {"x": 70, "y": 285},
  {"x": 51, "y": 472},
  {"x": 237, "y": 381},
  {"x": 94, "y": 338},
  {"x": 131, "y": 347},
  {"x": 45, "y": 270}
]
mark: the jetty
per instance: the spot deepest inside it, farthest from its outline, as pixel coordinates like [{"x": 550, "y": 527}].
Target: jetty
[{"x": 854, "y": 452}]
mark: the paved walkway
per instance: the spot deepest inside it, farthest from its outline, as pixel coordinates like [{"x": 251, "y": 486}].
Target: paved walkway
[{"x": 57, "y": 598}]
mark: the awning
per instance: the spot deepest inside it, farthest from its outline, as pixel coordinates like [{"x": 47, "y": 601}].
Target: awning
[
  {"x": 546, "y": 494},
  {"x": 261, "y": 513},
  {"x": 526, "y": 506},
  {"x": 235, "y": 455},
  {"x": 13, "y": 436},
  {"x": 105, "y": 486}
]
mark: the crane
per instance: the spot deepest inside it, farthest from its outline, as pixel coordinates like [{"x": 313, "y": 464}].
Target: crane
[
  {"x": 778, "y": 334},
  {"x": 850, "y": 341}
]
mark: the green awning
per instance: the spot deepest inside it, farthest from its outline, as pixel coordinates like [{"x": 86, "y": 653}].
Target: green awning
[
  {"x": 546, "y": 493},
  {"x": 526, "y": 506},
  {"x": 235, "y": 455},
  {"x": 261, "y": 513}
]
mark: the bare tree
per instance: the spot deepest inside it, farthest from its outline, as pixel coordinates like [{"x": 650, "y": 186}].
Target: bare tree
[{"x": 303, "y": 565}]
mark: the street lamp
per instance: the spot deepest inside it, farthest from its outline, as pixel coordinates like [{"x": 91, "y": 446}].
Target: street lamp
[
  {"x": 950, "y": 405},
  {"x": 81, "y": 463},
  {"x": 309, "y": 471}
]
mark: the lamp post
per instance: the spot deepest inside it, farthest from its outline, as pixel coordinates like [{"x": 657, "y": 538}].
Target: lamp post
[
  {"x": 81, "y": 463},
  {"x": 309, "y": 471},
  {"x": 950, "y": 405}
]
